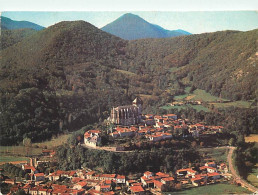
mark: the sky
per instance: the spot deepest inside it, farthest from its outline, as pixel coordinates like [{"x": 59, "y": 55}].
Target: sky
[{"x": 194, "y": 16}]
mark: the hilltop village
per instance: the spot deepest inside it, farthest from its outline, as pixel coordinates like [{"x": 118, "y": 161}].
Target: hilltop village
[
  {"x": 128, "y": 121},
  {"x": 124, "y": 121}
]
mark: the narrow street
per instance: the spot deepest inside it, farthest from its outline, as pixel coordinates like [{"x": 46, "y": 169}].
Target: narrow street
[{"x": 235, "y": 175}]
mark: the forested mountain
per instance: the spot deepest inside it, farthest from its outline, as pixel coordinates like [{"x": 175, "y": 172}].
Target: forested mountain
[
  {"x": 9, "y": 24},
  {"x": 220, "y": 63},
  {"x": 131, "y": 27},
  {"x": 11, "y": 37},
  {"x": 71, "y": 74}
]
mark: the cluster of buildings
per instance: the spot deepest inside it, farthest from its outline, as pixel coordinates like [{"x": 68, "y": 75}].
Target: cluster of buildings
[
  {"x": 209, "y": 173},
  {"x": 129, "y": 122},
  {"x": 93, "y": 183}
]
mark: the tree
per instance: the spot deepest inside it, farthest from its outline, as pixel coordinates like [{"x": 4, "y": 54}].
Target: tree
[
  {"x": 194, "y": 144},
  {"x": 231, "y": 141},
  {"x": 27, "y": 176},
  {"x": 17, "y": 171},
  {"x": 20, "y": 192},
  {"x": 113, "y": 185},
  {"x": 21, "y": 173}
]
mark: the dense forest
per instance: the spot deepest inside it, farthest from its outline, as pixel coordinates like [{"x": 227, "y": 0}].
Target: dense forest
[
  {"x": 124, "y": 163},
  {"x": 70, "y": 74},
  {"x": 11, "y": 37}
]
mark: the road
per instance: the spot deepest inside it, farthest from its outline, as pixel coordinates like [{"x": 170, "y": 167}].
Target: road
[
  {"x": 109, "y": 149},
  {"x": 235, "y": 175}
]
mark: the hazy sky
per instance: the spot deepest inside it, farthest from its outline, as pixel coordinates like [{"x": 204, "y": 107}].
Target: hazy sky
[{"x": 193, "y": 22}]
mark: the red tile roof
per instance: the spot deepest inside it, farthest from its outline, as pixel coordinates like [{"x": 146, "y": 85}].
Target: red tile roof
[
  {"x": 136, "y": 184},
  {"x": 158, "y": 183},
  {"x": 82, "y": 183},
  {"x": 120, "y": 177},
  {"x": 213, "y": 174},
  {"x": 148, "y": 173},
  {"x": 168, "y": 179},
  {"x": 135, "y": 189},
  {"x": 39, "y": 174}
]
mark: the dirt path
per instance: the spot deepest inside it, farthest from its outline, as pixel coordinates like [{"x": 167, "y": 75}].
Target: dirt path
[{"x": 236, "y": 176}]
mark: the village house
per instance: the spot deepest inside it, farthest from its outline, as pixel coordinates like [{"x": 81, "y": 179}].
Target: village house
[
  {"x": 103, "y": 188},
  {"x": 199, "y": 127},
  {"x": 167, "y": 180},
  {"x": 54, "y": 176},
  {"x": 159, "y": 185},
  {"x": 149, "y": 122},
  {"x": 29, "y": 169},
  {"x": 196, "y": 181},
  {"x": 186, "y": 172},
  {"x": 125, "y": 132},
  {"x": 158, "y": 119},
  {"x": 210, "y": 164},
  {"x": 39, "y": 177},
  {"x": 42, "y": 191},
  {"x": 211, "y": 170},
  {"x": 214, "y": 176},
  {"x": 80, "y": 185},
  {"x": 148, "y": 174},
  {"x": 120, "y": 179},
  {"x": 170, "y": 116},
  {"x": 92, "y": 138},
  {"x": 130, "y": 182}
]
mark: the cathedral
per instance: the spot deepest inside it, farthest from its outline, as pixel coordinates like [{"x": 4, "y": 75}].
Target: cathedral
[{"x": 127, "y": 115}]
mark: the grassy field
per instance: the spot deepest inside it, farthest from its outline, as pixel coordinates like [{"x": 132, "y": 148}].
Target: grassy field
[
  {"x": 12, "y": 158},
  {"x": 173, "y": 69},
  {"x": 196, "y": 107},
  {"x": 214, "y": 189},
  {"x": 54, "y": 142},
  {"x": 252, "y": 177},
  {"x": 19, "y": 151},
  {"x": 252, "y": 138},
  {"x": 217, "y": 154},
  {"x": 180, "y": 97},
  {"x": 239, "y": 104},
  {"x": 204, "y": 96},
  {"x": 198, "y": 94}
]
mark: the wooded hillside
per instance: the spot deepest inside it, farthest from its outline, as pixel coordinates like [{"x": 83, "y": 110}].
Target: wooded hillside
[{"x": 72, "y": 73}]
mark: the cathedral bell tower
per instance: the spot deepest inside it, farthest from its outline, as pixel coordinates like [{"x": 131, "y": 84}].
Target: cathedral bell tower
[{"x": 138, "y": 103}]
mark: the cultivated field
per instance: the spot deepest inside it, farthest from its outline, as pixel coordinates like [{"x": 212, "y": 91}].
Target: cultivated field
[
  {"x": 252, "y": 138},
  {"x": 214, "y": 189}
]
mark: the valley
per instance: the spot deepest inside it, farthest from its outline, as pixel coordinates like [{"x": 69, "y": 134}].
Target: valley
[{"x": 85, "y": 111}]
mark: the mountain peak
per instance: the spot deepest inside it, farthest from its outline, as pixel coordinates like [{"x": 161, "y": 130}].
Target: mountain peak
[
  {"x": 7, "y": 23},
  {"x": 130, "y": 26},
  {"x": 130, "y": 15}
]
